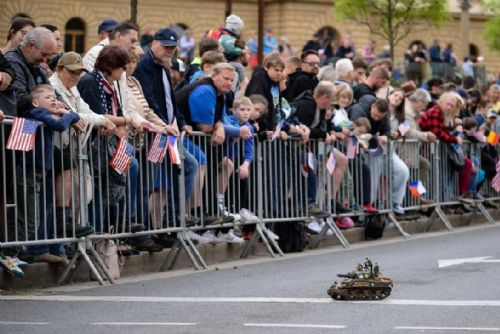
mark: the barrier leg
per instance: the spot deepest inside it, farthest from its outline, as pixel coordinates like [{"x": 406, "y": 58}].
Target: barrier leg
[
  {"x": 438, "y": 212},
  {"x": 486, "y": 214},
  {"x": 173, "y": 255},
  {"x": 322, "y": 235},
  {"x": 101, "y": 265},
  {"x": 400, "y": 229},
  {"x": 195, "y": 251},
  {"x": 66, "y": 274}
]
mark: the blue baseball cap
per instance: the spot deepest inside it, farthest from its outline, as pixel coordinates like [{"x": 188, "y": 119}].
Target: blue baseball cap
[
  {"x": 107, "y": 25},
  {"x": 167, "y": 37}
]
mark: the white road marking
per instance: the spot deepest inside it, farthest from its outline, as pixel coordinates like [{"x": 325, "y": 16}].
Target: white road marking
[
  {"x": 198, "y": 300},
  {"x": 24, "y": 323},
  {"x": 454, "y": 262},
  {"x": 143, "y": 323},
  {"x": 296, "y": 326},
  {"x": 470, "y": 329}
]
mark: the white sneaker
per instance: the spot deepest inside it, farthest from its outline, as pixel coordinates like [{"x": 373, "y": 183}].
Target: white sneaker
[
  {"x": 17, "y": 262},
  {"x": 236, "y": 216},
  {"x": 248, "y": 215},
  {"x": 270, "y": 234},
  {"x": 211, "y": 237},
  {"x": 315, "y": 226},
  {"x": 198, "y": 238},
  {"x": 230, "y": 237}
]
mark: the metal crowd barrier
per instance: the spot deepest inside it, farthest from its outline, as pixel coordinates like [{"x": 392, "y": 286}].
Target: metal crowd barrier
[{"x": 284, "y": 178}]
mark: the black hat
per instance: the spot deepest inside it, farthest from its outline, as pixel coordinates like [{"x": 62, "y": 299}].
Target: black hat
[
  {"x": 107, "y": 25},
  {"x": 167, "y": 37}
]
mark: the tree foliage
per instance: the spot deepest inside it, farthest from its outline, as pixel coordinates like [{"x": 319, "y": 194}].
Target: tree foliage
[
  {"x": 492, "y": 26},
  {"x": 393, "y": 19}
]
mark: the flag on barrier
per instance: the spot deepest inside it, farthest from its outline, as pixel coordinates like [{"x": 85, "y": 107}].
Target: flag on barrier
[
  {"x": 122, "y": 157},
  {"x": 493, "y": 138},
  {"x": 495, "y": 183},
  {"x": 403, "y": 128},
  {"x": 158, "y": 148},
  {"x": 330, "y": 163},
  {"x": 352, "y": 147},
  {"x": 417, "y": 189},
  {"x": 23, "y": 134},
  {"x": 277, "y": 131},
  {"x": 311, "y": 161},
  {"x": 175, "y": 157}
]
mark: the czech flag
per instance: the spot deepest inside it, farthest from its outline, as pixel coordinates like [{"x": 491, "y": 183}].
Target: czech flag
[{"x": 417, "y": 188}]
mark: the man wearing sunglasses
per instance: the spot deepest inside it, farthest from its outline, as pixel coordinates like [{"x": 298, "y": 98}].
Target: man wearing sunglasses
[{"x": 304, "y": 79}]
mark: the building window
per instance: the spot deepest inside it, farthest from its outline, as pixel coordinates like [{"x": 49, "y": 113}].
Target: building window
[{"x": 74, "y": 38}]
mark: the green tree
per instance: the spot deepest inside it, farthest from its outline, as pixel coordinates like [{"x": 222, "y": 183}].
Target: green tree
[
  {"x": 393, "y": 20},
  {"x": 492, "y": 26}
]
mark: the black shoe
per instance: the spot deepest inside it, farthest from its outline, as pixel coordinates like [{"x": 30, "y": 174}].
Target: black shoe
[
  {"x": 225, "y": 219},
  {"x": 147, "y": 245},
  {"x": 165, "y": 240},
  {"x": 192, "y": 221},
  {"x": 209, "y": 220}
]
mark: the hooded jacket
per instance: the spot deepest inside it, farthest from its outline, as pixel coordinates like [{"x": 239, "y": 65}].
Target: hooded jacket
[
  {"x": 298, "y": 83},
  {"x": 308, "y": 114}
]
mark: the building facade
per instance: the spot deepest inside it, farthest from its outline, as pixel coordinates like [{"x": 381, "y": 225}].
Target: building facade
[{"x": 298, "y": 20}]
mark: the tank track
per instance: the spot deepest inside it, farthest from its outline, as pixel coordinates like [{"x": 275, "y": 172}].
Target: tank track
[{"x": 359, "y": 293}]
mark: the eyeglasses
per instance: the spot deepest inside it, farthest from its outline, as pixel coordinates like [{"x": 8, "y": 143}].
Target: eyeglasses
[{"x": 311, "y": 63}]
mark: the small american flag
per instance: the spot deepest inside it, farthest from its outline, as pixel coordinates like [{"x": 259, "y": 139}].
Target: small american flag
[
  {"x": 22, "y": 136},
  {"x": 122, "y": 157},
  {"x": 495, "y": 183},
  {"x": 158, "y": 148}
]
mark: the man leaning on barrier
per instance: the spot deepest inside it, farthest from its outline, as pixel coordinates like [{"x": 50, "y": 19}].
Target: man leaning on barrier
[
  {"x": 203, "y": 105},
  {"x": 310, "y": 110}
]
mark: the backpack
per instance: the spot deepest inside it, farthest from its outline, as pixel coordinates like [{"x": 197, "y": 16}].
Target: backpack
[
  {"x": 292, "y": 236},
  {"x": 374, "y": 227}
]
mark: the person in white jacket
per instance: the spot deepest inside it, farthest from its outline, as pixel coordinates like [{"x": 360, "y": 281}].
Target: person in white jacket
[{"x": 64, "y": 80}]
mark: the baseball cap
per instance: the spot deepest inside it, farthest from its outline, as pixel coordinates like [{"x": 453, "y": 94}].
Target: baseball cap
[
  {"x": 107, "y": 25},
  {"x": 492, "y": 113},
  {"x": 167, "y": 37},
  {"x": 178, "y": 65},
  {"x": 72, "y": 61}
]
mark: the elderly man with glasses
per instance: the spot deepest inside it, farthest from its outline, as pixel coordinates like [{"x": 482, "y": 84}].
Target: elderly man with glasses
[
  {"x": 304, "y": 79},
  {"x": 38, "y": 46}
]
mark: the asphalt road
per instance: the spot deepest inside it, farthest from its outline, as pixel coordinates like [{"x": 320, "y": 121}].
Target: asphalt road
[{"x": 287, "y": 295}]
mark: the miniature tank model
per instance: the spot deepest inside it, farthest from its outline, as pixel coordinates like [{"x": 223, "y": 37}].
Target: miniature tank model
[{"x": 364, "y": 283}]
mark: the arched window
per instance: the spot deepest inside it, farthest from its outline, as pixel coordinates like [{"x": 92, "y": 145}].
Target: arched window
[
  {"x": 327, "y": 33},
  {"x": 474, "y": 50},
  {"x": 21, "y": 15},
  {"x": 74, "y": 38}
]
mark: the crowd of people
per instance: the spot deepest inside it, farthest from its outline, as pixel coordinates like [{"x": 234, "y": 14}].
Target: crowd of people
[{"x": 132, "y": 87}]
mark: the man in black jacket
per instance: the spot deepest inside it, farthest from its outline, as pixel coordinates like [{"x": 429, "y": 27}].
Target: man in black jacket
[
  {"x": 310, "y": 108},
  {"x": 37, "y": 47},
  {"x": 377, "y": 79},
  {"x": 305, "y": 78}
]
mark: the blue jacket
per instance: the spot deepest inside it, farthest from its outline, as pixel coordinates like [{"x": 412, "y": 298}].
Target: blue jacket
[
  {"x": 231, "y": 149},
  {"x": 150, "y": 75},
  {"x": 44, "y": 147}
]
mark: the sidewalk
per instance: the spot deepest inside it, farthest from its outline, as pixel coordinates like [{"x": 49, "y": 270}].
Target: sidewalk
[{"x": 42, "y": 275}]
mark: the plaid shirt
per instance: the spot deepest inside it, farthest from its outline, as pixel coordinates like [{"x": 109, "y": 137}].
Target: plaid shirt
[{"x": 432, "y": 120}]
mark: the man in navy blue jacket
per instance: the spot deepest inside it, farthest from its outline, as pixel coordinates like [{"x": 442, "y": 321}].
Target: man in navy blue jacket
[{"x": 154, "y": 76}]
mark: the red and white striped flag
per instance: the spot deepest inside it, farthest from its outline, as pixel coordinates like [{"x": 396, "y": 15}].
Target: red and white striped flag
[
  {"x": 495, "y": 183},
  {"x": 23, "y": 133},
  {"x": 175, "y": 157},
  {"x": 158, "y": 148},
  {"x": 122, "y": 157}
]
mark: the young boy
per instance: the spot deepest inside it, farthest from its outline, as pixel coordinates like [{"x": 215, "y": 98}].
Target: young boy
[
  {"x": 54, "y": 118},
  {"x": 260, "y": 107}
]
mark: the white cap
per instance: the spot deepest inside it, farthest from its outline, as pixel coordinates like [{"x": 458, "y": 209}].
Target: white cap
[{"x": 234, "y": 24}]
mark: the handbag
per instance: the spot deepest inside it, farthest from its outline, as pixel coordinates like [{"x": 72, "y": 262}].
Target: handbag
[
  {"x": 108, "y": 252},
  {"x": 456, "y": 156}
]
